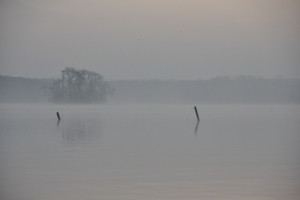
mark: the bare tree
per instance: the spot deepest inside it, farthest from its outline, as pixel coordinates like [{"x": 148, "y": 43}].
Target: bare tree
[{"x": 79, "y": 86}]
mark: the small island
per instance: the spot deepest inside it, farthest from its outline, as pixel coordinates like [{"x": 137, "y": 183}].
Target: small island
[{"x": 79, "y": 86}]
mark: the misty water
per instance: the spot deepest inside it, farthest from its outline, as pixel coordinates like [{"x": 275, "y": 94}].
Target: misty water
[{"x": 146, "y": 152}]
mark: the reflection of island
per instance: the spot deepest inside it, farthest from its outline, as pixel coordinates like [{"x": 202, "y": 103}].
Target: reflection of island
[{"x": 79, "y": 130}]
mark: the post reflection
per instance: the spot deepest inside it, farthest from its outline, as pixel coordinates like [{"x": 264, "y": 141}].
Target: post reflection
[
  {"x": 196, "y": 127},
  {"x": 57, "y": 123}
]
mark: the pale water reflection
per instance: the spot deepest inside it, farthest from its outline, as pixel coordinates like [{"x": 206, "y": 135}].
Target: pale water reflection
[
  {"x": 149, "y": 152},
  {"x": 76, "y": 130},
  {"x": 196, "y": 127}
]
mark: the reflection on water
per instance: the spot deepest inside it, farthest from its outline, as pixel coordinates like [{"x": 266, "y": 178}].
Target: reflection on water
[
  {"x": 57, "y": 123},
  {"x": 149, "y": 152},
  {"x": 78, "y": 130},
  {"x": 196, "y": 127}
]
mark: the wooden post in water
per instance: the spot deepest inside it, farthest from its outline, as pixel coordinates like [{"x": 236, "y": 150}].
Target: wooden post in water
[
  {"x": 196, "y": 111},
  {"x": 58, "y": 117}
]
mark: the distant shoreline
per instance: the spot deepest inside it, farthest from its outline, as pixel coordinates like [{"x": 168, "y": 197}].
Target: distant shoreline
[{"x": 219, "y": 90}]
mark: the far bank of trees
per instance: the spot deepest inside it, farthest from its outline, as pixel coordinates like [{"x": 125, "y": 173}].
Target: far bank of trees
[
  {"x": 220, "y": 90},
  {"x": 79, "y": 86}
]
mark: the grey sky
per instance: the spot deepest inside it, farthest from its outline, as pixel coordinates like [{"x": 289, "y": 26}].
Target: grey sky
[{"x": 151, "y": 39}]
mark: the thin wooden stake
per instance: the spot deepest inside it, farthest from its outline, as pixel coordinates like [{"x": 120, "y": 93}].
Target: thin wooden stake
[
  {"x": 196, "y": 111},
  {"x": 58, "y": 117}
]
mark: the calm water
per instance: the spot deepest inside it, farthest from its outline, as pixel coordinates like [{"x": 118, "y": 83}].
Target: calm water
[{"x": 141, "y": 152}]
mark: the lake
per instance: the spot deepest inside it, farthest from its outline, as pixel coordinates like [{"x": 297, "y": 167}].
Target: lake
[{"x": 143, "y": 152}]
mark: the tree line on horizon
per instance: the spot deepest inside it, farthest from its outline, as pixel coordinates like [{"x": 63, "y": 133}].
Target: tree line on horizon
[{"x": 82, "y": 86}]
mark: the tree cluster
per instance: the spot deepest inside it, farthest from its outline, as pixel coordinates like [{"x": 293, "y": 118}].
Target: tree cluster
[{"x": 79, "y": 86}]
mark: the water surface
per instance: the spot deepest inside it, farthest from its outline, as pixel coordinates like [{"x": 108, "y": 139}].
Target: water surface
[{"x": 149, "y": 152}]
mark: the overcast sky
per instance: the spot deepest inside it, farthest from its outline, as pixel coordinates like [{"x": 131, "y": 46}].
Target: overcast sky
[{"x": 151, "y": 39}]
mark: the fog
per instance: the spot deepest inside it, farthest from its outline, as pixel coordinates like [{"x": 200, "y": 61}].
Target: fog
[
  {"x": 132, "y": 39},
  {"x": 97, "y": 99},
  {"x": 157, "y": 43}
]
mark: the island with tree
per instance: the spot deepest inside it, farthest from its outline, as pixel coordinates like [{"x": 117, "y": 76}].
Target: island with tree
[{"x": 79, "y": 86}]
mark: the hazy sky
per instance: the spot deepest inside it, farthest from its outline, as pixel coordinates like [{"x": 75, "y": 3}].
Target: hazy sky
[{"x": 151, "y": 39}]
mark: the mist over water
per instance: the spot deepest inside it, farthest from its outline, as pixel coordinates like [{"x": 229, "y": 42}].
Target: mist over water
[
  {"x": 149, "y": 151},
  {"x": 142, "y": 66}
]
